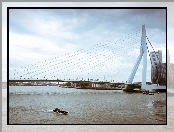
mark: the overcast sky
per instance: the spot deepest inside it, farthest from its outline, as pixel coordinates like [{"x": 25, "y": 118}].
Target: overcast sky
[{"x": 81, "y": 43}]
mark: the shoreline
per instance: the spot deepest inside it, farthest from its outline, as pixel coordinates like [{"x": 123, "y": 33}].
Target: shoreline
[{"x": 100, "y": 88}]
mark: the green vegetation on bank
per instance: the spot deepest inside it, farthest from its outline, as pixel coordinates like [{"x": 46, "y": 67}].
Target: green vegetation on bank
[
  {"x": 84, "y": 85},
  {"x": 68, "y": 84}
]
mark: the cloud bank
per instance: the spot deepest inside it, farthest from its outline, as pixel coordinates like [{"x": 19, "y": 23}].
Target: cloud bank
[{"x": 37, "y": 35}]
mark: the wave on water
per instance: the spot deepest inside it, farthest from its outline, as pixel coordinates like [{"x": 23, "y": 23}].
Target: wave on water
[
  {"x": 23, "y": 108},
  {"x": 63, "y": 92},
  {"x": 47, "y": 111}
]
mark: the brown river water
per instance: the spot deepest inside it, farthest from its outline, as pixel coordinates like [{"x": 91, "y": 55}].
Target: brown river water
[{"x": 34, "y": 105}]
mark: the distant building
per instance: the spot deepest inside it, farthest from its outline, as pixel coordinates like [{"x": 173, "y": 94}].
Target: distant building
[
  {"x": 158, "y": 69},
  {"x": 156, "y": 57},
  {"x": 170, "y": 75},
  {"x": 170, "y": 72}
]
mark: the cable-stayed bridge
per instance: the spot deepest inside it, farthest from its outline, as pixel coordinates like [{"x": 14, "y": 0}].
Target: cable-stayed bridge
[{"x": 102, "y": 62}]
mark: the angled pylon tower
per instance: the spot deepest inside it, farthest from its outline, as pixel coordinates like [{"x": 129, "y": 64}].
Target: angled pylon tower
[{"x": 143, "y": 53}]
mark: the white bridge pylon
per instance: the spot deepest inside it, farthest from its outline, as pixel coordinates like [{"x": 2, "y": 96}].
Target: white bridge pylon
[{"x": 143, "y": 53}]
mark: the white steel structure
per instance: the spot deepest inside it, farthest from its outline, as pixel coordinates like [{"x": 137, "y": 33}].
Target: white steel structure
[{"x": 143, "y": 53}]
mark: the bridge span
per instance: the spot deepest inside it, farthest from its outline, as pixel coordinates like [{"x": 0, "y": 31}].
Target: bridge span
[{"x": 91, "y": 65}]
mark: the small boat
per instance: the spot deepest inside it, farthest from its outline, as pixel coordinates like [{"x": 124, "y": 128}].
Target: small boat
[
  {"x": 57, "y": 110},
  {"x": 151, "y": 93},
  {"x": 63, "y": 112},
  {"x": 146, "y": 92}
]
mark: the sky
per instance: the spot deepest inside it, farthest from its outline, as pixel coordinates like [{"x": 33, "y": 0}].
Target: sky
[{"x": 81, "y": 43}]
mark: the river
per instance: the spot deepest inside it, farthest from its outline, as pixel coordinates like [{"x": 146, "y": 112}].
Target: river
[{"x": 34, "y": 105}]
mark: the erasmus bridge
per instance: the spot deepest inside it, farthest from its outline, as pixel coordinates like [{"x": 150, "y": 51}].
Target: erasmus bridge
[{"x": 101, "y": 63}]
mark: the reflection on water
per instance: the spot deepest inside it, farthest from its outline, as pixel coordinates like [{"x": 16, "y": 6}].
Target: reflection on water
[
  {"x": 34, "y": 105},
  {"x": 150, "y": 104}
]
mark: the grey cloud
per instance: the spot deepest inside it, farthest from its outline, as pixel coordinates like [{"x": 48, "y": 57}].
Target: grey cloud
[{"x": 90, "y": 26}]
